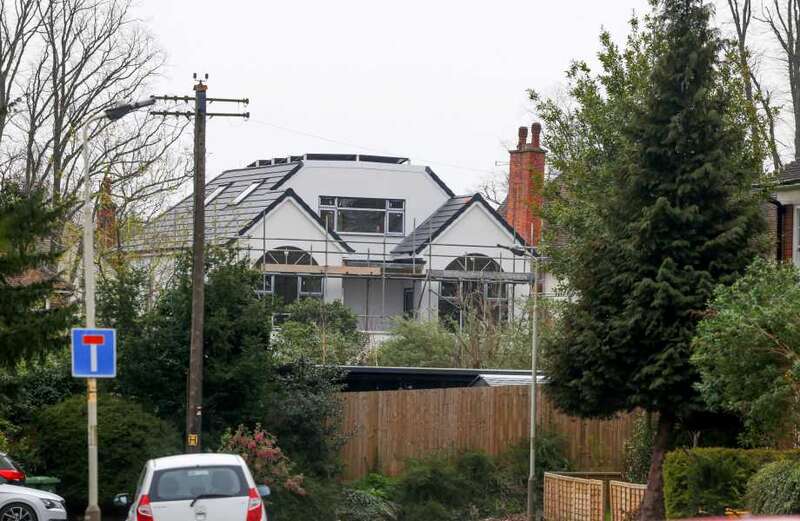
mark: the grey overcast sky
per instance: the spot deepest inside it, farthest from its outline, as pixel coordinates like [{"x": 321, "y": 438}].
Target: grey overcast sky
[{"x": 442, "y": 82}]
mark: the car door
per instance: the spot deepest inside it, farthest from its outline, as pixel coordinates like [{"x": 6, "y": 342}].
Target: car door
[{"x": 202, "y": 493}]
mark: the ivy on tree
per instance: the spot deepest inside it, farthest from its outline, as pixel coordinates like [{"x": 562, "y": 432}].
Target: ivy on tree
[
  {"x": 28, "y": 277},
  {"x": 677, "y": 218}
]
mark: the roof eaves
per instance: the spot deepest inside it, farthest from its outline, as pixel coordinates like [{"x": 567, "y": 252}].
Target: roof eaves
[
  {"x": 445, "y": 224},
  {"x": 291, "y": 193},
  {"x": 288, "y": 176},
  {"x": 500, "y": 218},
  {"x": 439, "y": 181}
]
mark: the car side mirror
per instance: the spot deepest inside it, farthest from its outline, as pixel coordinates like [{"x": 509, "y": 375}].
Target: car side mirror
[
  {"x": 121, "y": 500},
  {"x": 264, "y": 491}
]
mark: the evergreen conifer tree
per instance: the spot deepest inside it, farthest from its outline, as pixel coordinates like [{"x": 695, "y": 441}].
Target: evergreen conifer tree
[
  {"x": 28, "y": 276},
  {"x": 681, "y": 218}
]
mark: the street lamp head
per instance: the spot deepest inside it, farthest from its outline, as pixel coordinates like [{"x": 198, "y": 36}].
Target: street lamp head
[{"x": 123, "y": 109}]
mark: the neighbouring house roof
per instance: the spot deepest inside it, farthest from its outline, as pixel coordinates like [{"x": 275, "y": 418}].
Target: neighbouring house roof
[
  {"x": 366, "y": 378},
  {"x": 443, "y": 217},
  {"x": 790, "y": 174},
  {"x": 39, "y": 276},
  {"x": 500, "y": 379}
]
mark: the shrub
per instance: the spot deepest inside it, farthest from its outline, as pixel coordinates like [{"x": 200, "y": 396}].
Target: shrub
[
  {"x": 358, "y": 505},
  {"x": 319, "y": 503},
  {"x": 377, "y": 485},
  {"x": 474, "y": 485},
  {"x": 260, "y": 451},
  {"x": 775, "y": 489},
  {"x": 706, "y": 481},
  {"x": 418, "y": 344},
  {"x": 128, "y": 436},
  {"x": 638, "y": 450}
]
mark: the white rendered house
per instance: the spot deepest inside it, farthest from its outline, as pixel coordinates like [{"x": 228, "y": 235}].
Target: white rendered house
[{"x": 386, "y": 237}]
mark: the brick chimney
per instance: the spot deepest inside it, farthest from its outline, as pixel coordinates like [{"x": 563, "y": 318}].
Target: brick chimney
[
  {"x": 106, "y": 216},
  {"x": 525, "y": 184}
]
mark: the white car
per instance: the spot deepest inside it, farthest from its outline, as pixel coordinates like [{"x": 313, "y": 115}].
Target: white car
[
  {"x": 29, "y": 504},
  {"x": 196, "y": 487}
]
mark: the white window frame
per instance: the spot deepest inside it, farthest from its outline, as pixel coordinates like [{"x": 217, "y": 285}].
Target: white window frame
[
  {"x": 387, "y": 210},
  {"x": 216, "y": 193},
  {"x": 247, "y": 191}
]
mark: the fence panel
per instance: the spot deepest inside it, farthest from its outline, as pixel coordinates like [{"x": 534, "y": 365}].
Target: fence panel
[
  {"x": 568, "y": 498},
  {"x": 626, "y": 499},
  {"x": 389, "y": 427}
]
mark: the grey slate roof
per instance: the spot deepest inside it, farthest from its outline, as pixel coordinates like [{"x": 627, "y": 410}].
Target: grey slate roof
[
  {"x": 426, "y": 231},
  {"x": 225, "y": 221},
  {"x": 441, "y": 219},
  {"x": 790, "y": 174}
]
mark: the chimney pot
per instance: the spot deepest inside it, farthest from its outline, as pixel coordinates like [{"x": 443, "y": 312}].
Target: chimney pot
[
  {"x": 536, "y": 129},
  {"x": 523, "y": 137}
]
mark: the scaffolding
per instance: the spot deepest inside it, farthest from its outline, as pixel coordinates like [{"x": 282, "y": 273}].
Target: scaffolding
[{"x": 373, "y": 262}]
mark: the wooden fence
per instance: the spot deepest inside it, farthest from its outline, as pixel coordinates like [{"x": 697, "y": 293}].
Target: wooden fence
[
  {"x": 626, "y": 499},
  {"x": 567, "y": 498},
  {"x": 389, "y": 427}
]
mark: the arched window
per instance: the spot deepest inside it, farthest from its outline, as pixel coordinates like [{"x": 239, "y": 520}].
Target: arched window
[
  {"x": 478, "y": 291},
  {"x": 288, "y": 287}
]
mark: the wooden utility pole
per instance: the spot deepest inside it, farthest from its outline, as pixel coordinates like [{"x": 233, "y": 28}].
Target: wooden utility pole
[{"x": 194, "y": 405}]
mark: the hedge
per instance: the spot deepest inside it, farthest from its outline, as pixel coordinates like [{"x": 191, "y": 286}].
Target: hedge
[
  {"x": 705, "y": 481},
  {"x": 775, "y": 489}
]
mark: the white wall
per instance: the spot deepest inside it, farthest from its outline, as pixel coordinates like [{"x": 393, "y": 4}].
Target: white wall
[
  {"x": 290, "y": 220},
  {"x": 477, "y": 228},
  {"x": 364, "y": 179}
]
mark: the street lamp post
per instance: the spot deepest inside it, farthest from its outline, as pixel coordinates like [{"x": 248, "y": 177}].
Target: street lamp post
[
  {"x": 535, "y": 258},
  {"x": 114, "y": 113},
  {"x": 534, "y": 372}
]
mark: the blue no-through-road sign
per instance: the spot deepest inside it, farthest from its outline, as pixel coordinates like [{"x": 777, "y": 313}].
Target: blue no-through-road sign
[{"x": 94, "y": 353}]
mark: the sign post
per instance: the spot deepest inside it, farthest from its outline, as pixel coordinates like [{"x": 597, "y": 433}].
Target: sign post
[{"x": 94, "y": 355}]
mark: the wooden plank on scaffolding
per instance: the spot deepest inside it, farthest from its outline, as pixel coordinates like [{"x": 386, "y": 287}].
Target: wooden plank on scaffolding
[{"x": 330, "y": 270}]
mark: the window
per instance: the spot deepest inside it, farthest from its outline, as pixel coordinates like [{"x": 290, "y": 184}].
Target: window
[
  {"x": 363, "y": 215},
  {"x": 247, "y": 191},
  {"x": 475, "y": 295},
  {"x": 213, "y": 195},
  {"x": 288, "y": 287},
  {"x": 188, "y": 483},
  {"x": 408, "y": 302}
]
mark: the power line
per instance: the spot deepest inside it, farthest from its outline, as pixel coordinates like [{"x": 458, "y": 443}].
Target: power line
[{"x": 368, "y": 149}]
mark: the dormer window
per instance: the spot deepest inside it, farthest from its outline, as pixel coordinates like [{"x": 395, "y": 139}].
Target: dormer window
[
  {"x": 363, "y": 215},
  {"x": 213, "y": 195},
  {"x": 247, "y": 191}
]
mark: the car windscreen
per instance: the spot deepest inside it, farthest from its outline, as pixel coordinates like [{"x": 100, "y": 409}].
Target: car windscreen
[
  {"x": 7, "y": 463},
  {"x": 190, "y": 482}
]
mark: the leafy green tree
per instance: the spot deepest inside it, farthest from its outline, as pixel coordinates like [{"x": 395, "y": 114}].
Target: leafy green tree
[
  {"x": 303, "y": 410},
  {"x": 28, "y": 277},
  {"x": 34, "y": 385},
  {"x": 326, "y": 332},
  {"x": 482, "y": 342},
  {"x": 122, "y": 299},
  {"x": 747, "y": 350},
  {"x": 677, "y": 216},
  {"x": 153, "y": 360}
]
